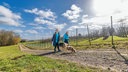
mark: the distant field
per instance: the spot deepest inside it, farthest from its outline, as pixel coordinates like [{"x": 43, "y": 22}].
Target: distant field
[
  {"x": 13, "y": 60},
  {"x": 81, "y": 44}
]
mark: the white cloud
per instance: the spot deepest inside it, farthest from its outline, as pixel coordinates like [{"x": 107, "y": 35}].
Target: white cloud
[
  {"x": 59, "y": 26},
  {"x": 39, "y": 20},
  {"x": 31, "y": 11},
  {"x": 39, "y": 28},
  {"x": 103, "y": 10},
  {"x": 31, "y": 31},
  {"x": 8, "y": 17},
  {"x": 85, "y": 19},
  {"x": 96, "y": 22},
  {"x": 23, "y": 26},
  {"x": 18, "y": 31},
  {"x": 117, "y": 8},
  {"x": 76, "y": 27},
  {"x": 43, "y": 16},
  {"x": 110, "y": 7},
  {"x": 33, "y": 24},
  {"x": 73, "y": 14},
  {"x": 48, "y": 14},
  {"x": 95, "y": 27}
]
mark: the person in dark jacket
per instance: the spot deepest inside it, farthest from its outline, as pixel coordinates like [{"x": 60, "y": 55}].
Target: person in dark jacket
[
  {"x": 66, "y": 38},
  {"x": 55, "y": 40}
]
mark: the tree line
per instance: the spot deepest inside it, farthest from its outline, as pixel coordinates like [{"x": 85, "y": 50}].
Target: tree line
[
  {"x": 121, "y": 31},
  {"x": 9, "y": 38}
]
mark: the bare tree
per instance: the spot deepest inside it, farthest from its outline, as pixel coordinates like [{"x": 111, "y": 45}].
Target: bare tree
[
  {"x": 8, "y": 38},
  {"x": 122, "y": 29}
]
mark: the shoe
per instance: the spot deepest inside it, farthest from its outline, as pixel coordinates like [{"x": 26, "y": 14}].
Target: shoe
[
  {"x": 59, "y": 50},
  {"x": 54, "y": 51}
]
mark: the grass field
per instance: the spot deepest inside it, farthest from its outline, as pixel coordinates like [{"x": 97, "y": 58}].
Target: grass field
[
  {"x": 84, "y": 44},
  {"x": 13, "y": 60}
]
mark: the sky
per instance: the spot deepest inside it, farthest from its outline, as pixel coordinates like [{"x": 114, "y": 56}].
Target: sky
[{"x": 37, "y": 19}]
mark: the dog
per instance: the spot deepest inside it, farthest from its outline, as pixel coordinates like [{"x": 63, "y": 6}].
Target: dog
[
  {"x": 67, "y": 47},
  {"x": 71, "y": 49}
]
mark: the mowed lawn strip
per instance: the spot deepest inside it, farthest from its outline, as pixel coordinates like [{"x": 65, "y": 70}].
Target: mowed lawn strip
[{"x": 30, "y": 63}]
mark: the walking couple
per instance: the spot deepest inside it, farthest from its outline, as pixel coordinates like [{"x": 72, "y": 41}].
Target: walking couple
[{"x": 56, "y": 39}]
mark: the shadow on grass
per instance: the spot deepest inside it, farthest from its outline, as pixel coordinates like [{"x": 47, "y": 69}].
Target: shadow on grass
[{"x": 126, "y": 60}]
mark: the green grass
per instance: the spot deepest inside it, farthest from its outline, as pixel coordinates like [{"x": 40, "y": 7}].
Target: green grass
[
  {"x": 31, "y": 63},
  {"x": 116, "y": 38},
  {"x": 39, "y": 45},
  {"x": 100, "y": 43},
  {"x": 8, "y": 52},
  {"x": 11, "y": 62},
  {"x": 119, "y": 42}
]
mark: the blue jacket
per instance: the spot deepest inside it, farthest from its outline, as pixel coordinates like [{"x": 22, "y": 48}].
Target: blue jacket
[
  {"x": 65, "y": 37},
  {"x": 56, "y": 38}
]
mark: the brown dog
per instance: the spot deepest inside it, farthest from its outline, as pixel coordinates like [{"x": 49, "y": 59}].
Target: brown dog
[{"x": 67, "y": 47}]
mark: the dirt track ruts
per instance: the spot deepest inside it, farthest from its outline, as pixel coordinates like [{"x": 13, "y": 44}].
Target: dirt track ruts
[{"x": 112, "y": 59}]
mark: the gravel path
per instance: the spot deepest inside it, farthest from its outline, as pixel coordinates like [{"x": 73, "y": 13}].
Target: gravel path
[{"x": 112, "y": 59}]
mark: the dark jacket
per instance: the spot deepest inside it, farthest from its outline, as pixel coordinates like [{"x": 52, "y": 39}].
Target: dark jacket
[{"x": 54, "y": 38}]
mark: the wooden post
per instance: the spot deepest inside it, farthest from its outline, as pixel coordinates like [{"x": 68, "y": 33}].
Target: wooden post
[
  {"x": 88, "y": 35},
  {"x": 76, "y": 36},
  {"x": 112, "y": 33}
]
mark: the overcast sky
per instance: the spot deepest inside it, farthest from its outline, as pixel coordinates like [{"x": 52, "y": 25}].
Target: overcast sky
[{"x": 36, "y": 19}]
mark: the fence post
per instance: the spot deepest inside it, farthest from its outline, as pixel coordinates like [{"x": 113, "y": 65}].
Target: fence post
[
  {"x": 88, "y": 35},
  {"x": 76, "y": 36},
  {"x": 112, "y": 29}
]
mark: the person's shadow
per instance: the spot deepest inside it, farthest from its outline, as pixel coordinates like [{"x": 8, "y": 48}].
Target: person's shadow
[
  {"x": 126, "y": 60},
  {"x": 48, "y": 53}
]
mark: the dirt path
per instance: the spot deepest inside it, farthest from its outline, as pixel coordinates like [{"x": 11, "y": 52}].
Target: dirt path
[{"x": 111, "y": 59}]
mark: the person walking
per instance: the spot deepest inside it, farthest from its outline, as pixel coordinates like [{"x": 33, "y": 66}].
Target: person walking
[
  {"x": 55, "y": 40},
  {"x": 66, "y": 38}
]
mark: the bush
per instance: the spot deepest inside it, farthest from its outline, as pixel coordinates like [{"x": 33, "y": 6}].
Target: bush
[
  {"x": 23, "y": 40},
  {"x": 8, "y": 38}
]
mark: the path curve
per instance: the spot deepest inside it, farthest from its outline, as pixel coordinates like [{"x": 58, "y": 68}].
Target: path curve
[{"x": 111, "y": 59}]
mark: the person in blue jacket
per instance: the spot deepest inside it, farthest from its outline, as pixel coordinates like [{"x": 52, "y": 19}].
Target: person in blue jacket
[
  {"x": 55, "y": 40},
  {"x": 66, "y": 38}
]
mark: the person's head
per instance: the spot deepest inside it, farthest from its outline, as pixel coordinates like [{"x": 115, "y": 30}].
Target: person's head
[
  {"x": 57, "y": 30},
  {"x": 66, "y": 32}
]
